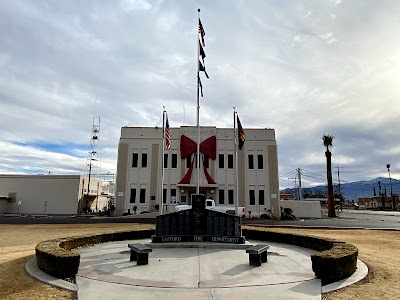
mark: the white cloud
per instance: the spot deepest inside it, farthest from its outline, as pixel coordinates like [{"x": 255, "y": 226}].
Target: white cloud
[
  {"x": 308, "y": 14},
  {"x": 130, "y": 5},
  {"x": 326, "y": 36},
  {"x": 58, "y": 58}
]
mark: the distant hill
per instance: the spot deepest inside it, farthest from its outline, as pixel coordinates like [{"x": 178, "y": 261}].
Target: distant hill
[{"x": 351, "y": 190}]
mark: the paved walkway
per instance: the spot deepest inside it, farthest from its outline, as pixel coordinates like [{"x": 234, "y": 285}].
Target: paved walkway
[{"x": 105, "y": 272}]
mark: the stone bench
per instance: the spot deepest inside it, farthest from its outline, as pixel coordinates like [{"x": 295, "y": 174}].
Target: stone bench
[
  {"x": 140, "y": 253},
  {"x": 257, "y": 254}
]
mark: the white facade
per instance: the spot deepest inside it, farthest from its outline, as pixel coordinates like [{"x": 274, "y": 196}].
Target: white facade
[
  {"x": 140, "y": 165},
  {"x": 49, "y": 194},
  {"x": 303, "y": 209}
]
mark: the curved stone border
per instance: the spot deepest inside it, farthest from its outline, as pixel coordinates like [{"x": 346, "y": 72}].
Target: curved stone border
[
  {"x": 358, "y": 275},
  {"x": 335, "y": 261},
  {"x": 57, "y": 258},
  {"x": 32, "y": 269}
]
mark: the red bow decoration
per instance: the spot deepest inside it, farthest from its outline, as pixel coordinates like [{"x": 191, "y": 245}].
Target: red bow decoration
[{"x": 207, "y": 147}]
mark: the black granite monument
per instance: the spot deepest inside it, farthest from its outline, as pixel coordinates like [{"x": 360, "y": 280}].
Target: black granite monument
[{"x": 198, "y": 225}]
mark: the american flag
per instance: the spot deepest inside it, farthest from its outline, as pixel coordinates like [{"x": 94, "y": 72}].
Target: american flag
[{"x": 167, "y": 134}]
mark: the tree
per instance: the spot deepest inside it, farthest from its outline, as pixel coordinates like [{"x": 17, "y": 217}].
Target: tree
[{"x": 327, "y": 139}]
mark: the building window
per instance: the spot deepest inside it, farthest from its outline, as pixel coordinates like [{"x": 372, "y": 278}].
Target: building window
[
  {"x": 260, "y": 161},
  {"x": 188, "y": 161},
  {"x": 133, "y": 195},
  {"x": 230, "y": 196},
  {"x": 252, "y": 197},
  {"x": 173, "y": 196},
  {"x": 230, "y": 161},
  {"x": 206, "y": 161},
  {"x": 144, "y": 160},
  {"x": 164, "y": 196},
  {"x": 165, "y": 160},
  {"x": 135, "y": 157},
  {"x": 261, "y": 199},
  {"x": 251, "y": 161},
  {"x": 183, "y": 199},
  {"x": 174, "y": 161},
  {"x": 221, "y": 198},
  {"x": 221, "y": 158},
  {"x": 142, "y": 195}
]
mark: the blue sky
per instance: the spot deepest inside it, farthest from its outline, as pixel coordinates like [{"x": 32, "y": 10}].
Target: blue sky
[{"x": 304, "y": 68}]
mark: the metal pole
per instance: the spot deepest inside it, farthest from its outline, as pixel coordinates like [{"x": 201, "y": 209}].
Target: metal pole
[
  {"x": 162, "y": 164},
  {"x": 236, "y": 161},
  {"x": 391, "y": 190},
  {"x": 198, "y": 107},
  {"x": 300, "y": 193}
]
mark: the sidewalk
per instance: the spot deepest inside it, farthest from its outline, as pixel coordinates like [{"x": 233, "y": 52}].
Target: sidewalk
[
  {"x": 197, "y": 273},
  {"x": 105, "y": 272}
]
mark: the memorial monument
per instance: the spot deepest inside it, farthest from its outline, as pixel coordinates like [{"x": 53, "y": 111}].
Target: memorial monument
[{"x": 198, "y": 225}]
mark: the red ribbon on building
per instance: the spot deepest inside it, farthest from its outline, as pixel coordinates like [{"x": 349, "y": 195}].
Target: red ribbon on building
[{"x": 207, "y": 147}]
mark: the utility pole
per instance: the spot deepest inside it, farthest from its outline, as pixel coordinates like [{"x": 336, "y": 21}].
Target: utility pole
[
  {"x": 299, "y": 175},
  {"x": 339, "y": 192}
]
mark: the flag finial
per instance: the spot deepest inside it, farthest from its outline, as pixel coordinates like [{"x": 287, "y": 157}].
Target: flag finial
[{"x": 198, "y": 10}]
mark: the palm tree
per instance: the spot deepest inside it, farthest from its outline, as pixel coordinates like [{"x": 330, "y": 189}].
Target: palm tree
[{"x": 327, "y": 139}]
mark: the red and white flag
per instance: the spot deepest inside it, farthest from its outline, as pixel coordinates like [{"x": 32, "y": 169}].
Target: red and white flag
[{"x": 167, "y": 134}]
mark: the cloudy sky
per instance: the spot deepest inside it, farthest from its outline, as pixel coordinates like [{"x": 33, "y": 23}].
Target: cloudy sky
[{"x": 304, "y": 68}]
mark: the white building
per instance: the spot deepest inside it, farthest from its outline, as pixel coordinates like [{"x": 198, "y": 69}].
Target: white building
[
  {"x": 50, "y": 194},
  {"x": 139, "y": 170}
]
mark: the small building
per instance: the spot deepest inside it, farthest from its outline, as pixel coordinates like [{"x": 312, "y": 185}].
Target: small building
[
  {"x": 376, "y": 202},
  {"x": 286, "y": 196},
  {"x": 50, "y": 194}
]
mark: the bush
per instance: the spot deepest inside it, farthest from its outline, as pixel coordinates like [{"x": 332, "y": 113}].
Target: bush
[
  {"x": 265, "y": 216},
  {"x": 288, "y": 211},
  {"x": 286, "y": 214},
  {"x": 287, "y": 217}
]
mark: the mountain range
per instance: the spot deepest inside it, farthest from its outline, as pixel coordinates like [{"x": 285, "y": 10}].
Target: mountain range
[{"x": 350, "y": 190}]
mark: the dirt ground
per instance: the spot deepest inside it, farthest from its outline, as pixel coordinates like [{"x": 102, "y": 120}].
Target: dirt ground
[{"x": 378, "y": 249}]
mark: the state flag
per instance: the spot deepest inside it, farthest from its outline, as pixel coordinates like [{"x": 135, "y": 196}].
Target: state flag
[{"x": 241, "y": 135}]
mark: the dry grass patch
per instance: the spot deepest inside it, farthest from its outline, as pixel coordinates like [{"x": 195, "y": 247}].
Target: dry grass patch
[{"x": 17, "y": 246}]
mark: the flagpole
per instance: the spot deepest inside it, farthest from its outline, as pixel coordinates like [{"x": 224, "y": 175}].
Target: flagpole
[
  {"x": 198, "y": 105},
  {"x": 236, "y": 161},
  {"x": 162, "y": 163}
]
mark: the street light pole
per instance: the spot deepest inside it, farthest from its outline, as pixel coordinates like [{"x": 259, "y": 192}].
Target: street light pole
[{"x": 391, "y": 190}]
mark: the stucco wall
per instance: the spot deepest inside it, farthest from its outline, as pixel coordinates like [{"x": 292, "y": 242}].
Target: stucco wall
[
  {"x": 34, "y": 191},
  {"x": 303, "y": 209}
]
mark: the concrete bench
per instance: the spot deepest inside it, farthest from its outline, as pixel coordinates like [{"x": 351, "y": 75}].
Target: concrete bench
[
  {"x": 140, "y": 253},
  {"x": 257, "y": 254}
]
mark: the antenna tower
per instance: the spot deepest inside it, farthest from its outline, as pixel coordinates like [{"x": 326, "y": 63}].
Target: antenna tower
[{"x": 93, "y": 163}]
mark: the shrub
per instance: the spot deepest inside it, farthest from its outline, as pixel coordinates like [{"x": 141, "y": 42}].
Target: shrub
[
  {"x": 287, "y": 217},
  {"x": 288, "y": 210},
  {"x": 265, "y": 216}
]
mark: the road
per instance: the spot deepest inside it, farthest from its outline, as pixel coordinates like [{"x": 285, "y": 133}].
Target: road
[{"x": 346, "y": 219}]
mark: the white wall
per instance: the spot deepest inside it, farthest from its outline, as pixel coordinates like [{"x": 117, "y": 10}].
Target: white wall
[
  {"x": 3, "y": 205},
  {"x": 58, "y": 192},
  {"x": 303, "y": 209}
]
